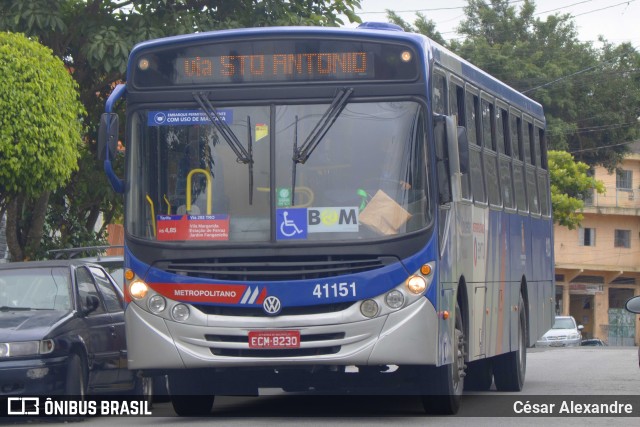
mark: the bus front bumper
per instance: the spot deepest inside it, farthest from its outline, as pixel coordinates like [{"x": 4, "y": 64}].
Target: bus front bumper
[{"x": 405, "y": 337}]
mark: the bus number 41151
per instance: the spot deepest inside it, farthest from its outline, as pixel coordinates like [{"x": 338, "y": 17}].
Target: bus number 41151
[{"x": 335, "y": 290}]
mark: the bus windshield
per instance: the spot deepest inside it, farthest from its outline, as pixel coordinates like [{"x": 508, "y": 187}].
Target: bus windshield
[{"x": 364, "y": 178}]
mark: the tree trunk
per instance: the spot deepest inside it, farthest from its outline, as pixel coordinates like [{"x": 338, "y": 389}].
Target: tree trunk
[
  {"x": 13, "y": 239},
  {"x": 25, "y": 225}
]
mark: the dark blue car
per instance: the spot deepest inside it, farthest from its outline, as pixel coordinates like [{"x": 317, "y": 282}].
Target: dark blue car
[{"x": 62, "y": 331}]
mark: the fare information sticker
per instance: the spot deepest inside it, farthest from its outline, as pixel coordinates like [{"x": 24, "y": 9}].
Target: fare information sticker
[{"x": 193, "y": 227}]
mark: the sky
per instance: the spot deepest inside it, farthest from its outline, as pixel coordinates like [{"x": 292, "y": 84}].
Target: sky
[{"x": 617, "y": 20}]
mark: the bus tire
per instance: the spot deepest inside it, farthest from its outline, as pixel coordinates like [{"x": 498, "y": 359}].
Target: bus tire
[
  {"x": 509, "y": 369},
  {"x": 185, "y": 397},
  {"x": 443, "y": 385},
  {"x": 479, "y": 375}
]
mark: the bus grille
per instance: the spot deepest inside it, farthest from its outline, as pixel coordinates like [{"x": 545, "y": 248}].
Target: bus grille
[
  {"x": 278, "y": 268},
  {"x": 259, "y": 312},
  {"x": 298, "y": 352}
]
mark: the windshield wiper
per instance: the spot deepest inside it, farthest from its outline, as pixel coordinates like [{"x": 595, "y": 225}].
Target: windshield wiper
[
  {"x": 322, "y": 127},
  {"x": 7, "y": 308},
  {"x": 242, "y": 155},
  {"x": 302, "y": 154}
]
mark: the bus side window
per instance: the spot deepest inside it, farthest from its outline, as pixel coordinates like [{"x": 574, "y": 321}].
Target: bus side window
[
  {"x": 530, "y": 169},
  {"x": 471, "y": 110},
  {"x": 519, "y": 183},
  {"x": 475, "y": 160},
  {"x": 504, "y": 159},
  {"x": 489, "y": 155},
  {"x": 456, "y": 107},
  {"x": 542, "y": 173},
  {"x": 439, "y": 94}
]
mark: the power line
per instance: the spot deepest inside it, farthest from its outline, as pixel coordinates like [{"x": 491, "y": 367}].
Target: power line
[{"x": 584, "y": 150}]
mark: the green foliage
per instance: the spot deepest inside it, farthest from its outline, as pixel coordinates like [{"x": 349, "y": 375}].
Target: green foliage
[
  {"x": 40, "y": 126},
  {"x": 422, "y": 26},
  {"x": 570, "y": 182}
]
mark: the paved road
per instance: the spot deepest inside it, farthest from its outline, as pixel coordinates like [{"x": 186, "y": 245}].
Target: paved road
[{"x": 554, "y": 376}]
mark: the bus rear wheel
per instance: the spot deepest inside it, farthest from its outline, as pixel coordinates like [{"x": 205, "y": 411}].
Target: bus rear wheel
[
  {"x": 509, "y": 369},
  {"x": 444, "y": 384}
]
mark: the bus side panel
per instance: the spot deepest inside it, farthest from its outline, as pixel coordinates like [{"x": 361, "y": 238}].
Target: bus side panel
[
  {"x": 497, "y": 276},
  {"x": 540, "y": 320},
  {"x": 519, "y": 259}
]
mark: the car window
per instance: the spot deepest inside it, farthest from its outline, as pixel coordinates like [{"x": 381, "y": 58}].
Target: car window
[
  {"x": 564, "y": 323},
  {"x": 87, "y": 287},
  {"x": 37, "y": 288},
  {"x": 111, "y": 298}
]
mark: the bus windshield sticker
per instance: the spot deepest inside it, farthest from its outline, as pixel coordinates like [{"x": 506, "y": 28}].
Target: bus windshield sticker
[
  {"x": 333, "y": 220},
  {"x": 193, "y": 227},
  {"x": 185, "y": 117},
  {"x": 291, "y": 223},
  {"x": 262, "y": 131}
]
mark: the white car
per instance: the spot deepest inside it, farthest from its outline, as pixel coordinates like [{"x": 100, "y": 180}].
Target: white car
[{"x": 564, "y": 333}]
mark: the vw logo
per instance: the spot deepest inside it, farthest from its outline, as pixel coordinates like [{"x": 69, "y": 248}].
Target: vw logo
[{"x": 272, "y": 305}]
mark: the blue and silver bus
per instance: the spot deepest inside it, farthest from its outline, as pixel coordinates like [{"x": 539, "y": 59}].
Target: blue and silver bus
[{"x": 316, "y": 208}]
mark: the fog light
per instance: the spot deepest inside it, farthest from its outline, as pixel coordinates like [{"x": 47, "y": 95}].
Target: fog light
[
  {"x": 180, "y": 312},
  {"x": 37, "y": 373},
  {"x": 416, "y": 284},
  {"x": 138, "y": 289},
  {"x": 157, "y": 304},
  {"x": 394, "y": 299},
  {"x": 369, "y": 308}
]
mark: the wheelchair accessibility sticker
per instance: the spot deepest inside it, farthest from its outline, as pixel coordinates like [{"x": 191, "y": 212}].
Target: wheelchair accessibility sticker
[{"x": 292, "y": 224}]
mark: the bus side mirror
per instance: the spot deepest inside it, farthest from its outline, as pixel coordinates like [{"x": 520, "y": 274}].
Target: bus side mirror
[
  {"x": 442, "y": 161},
  {"x": 108, "y": 136},
  {"x": 108, "y": 148}
]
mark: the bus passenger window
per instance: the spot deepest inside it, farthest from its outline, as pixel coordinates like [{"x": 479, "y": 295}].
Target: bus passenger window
[
  {"x": 477, "y": 181},
  {"x": 439, "y": 95},
  {"x": 471, "y": 102},
  {"x": 514, "y": 133},
  {"x": 487, "y": 125},
  {"x": 502, "y": 129},
  {"x": 526, "y": 142}
]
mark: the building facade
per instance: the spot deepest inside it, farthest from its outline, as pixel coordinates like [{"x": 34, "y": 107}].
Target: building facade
[{"x": 598, "y": 264}]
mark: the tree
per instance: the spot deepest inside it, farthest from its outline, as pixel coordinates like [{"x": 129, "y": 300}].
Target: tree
[
  {"x": 40, "y": 131},
  {"x": 570, "y": 182},
  {"x": 94, "y": 38},
  {"x": 591, "y": 95},
  {"x": 422, "y": 26}
]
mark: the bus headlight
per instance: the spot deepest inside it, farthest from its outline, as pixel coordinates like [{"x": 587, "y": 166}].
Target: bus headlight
[
  {"x": 369, "y": 308},
  {"x": 138, "y": 289},
  {"x": 416, "y": 284},
  {"x": 157, "y": 304},
  {"x": 180, "y": 312},
  {"x": 394, "y": 299}
]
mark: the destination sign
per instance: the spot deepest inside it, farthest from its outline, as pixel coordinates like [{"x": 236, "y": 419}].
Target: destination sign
[{"x": 273, "y": 61}]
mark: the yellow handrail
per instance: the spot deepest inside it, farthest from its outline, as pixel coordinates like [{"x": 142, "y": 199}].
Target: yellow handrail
[
  {"x": 209, "y": 188},
  {"x": 153, "y": 215},
  {"x": 166, "y": 200}
]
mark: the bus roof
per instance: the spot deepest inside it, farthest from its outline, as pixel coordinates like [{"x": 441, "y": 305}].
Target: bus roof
[{"x": 433, "y": 52}]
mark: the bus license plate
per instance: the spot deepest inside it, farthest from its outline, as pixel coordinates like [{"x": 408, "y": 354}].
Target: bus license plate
[{"x": 274, "y": 339}]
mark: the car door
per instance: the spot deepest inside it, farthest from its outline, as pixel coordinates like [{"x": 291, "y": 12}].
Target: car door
[
  {"x": 114, "y": 303},
  {"x": 100, "y": 335}
]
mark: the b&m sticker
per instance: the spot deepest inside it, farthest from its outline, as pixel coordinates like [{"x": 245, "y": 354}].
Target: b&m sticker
[
  {"x": 193, "y": 227},
  {"x": 186, "y": 117}
]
